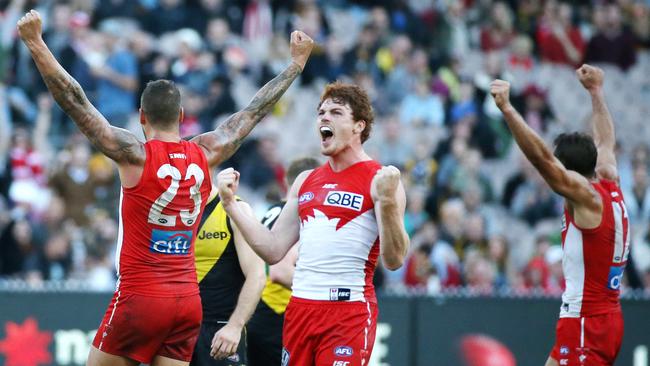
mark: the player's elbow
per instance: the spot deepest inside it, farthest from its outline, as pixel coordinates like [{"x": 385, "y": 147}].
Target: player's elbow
[{"x": 393, "y": 262}]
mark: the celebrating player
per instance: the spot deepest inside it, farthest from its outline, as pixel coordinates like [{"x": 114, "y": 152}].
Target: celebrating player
[
  {"x": 595, "y": 237},
  {"x": 264, "y": 330},
  {"x": 155, "y": 314},
  {"x": 345, "y": 213}
]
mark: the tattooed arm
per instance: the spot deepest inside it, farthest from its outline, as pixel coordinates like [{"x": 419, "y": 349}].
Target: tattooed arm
[
  {"x": 222, "y": 143},
  {"x": 116, "y": 143}
]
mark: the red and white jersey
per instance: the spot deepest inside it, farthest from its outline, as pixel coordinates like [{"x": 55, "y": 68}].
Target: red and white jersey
[
  {"x": 339, "y": 237},
  {"x": 158, "y": 219},
  {"x": 594, "y": 259}
]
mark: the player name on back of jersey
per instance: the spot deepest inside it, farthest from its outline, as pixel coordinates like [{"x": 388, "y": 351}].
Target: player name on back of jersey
[{"x": 177, "y": 156}]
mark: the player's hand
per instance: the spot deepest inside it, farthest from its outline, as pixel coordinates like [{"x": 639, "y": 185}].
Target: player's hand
[
  {"x": 500, "y": 91},
  {"x": 227, "y": 183},
  {"x": 590, "y": 77},
  {"x": 30, "y": 26},
  {"x": 301, "y": 46},
  {"x": 386, "y": 182},
  {"x": 225, "y": 342}
]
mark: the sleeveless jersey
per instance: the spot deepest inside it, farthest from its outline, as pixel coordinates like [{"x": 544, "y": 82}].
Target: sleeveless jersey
[
  {"x": 339, "y": 237},
  {"x": 217, "y": 264},
  {"x": 594, "y": 259},
  {"x": 158, "y": 219},
  {"x": 274, "y": 295}
]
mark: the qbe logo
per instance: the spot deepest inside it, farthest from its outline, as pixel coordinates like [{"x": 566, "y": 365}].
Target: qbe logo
[
  {"x": 615, "y": 277},
  {"x": 343, "y": 351},
  {"x": 170, "y": 242},
  {"x": 344, "y": 199}
]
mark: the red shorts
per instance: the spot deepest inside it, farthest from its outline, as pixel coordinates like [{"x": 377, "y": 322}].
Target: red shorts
[
  {"x": 593, "y": 341},
  {"x": 141, "y": 327},
  {"x": 328, "y": 333}
]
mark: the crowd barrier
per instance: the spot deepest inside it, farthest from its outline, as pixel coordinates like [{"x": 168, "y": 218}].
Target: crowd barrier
[{"x": 56, "y": 328}]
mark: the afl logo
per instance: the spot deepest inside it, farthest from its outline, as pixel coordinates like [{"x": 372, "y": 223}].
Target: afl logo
[{"x": 305, "y": 197}]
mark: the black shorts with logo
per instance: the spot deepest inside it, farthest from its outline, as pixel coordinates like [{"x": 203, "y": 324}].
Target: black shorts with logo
[
  {"x": 265, "y": 337},
  {"x": 201, "y": 356}
]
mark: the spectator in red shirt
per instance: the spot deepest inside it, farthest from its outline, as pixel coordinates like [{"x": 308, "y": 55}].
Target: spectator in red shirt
[
  {"x": 499, "y": 32},
  {"x": 559, "y": 40}
]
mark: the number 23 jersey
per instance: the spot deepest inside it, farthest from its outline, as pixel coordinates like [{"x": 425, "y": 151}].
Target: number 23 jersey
[{"x": 158, "y": 220}]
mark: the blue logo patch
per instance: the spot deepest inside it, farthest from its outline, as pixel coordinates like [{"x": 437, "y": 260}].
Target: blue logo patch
[
  {"x": 343, "y": 351},
  {"x": 564, "y": 350},
  {"x": 170, "y": 242},
  {"x": 615, "y": 277},
  {"x": 305, "y": 197}
]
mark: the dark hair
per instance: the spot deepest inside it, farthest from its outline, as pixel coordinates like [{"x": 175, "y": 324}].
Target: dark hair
[
  {"x": 356, "y": 98},
  {"x": 298, "y": 166},
  {"x": 161, "y": 103},
  {"x": 577, "y": 151}
]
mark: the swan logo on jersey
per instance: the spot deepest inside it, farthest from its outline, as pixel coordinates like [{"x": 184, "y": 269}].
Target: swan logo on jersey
[
  {"x": 614, "y": 279},
  {"x": 344, "y": 199},
  {"x": 305, "y": 197},
  {"x": 343, "y": 351},
  {"x": 170, "y": 242}
]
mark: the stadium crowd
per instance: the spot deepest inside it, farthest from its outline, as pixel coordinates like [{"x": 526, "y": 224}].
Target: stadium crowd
[{"x": 478, "y": 214}]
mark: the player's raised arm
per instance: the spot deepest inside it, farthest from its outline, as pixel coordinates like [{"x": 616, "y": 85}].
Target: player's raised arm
[
  {"x": 567, "y": 183},
  {"x": 390, "y": 203},
  {"x": 116, "y": 143},
  {"x": 602, "y": 123},
  {"x": 222, "y": 143},
  {"x": 271, "y": 245}
]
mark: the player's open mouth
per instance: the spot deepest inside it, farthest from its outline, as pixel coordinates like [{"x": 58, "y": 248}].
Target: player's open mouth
[{"x": 326, "y": 133}]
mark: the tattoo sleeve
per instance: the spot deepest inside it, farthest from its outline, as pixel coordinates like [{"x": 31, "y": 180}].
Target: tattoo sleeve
[
  {"x": 229, "y": 135},
  {"x": 116, "y": 143}
]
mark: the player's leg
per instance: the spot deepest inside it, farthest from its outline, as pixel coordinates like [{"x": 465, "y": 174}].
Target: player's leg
[
  {"x": 130, "y": 330},
  {"x": 179, "y": 343},
  {"x": 301, "y": 323},
  {"x": 349, "y": 340},
  {"x": 99, "y": 358},
  {"x": 166, "y": 361}
]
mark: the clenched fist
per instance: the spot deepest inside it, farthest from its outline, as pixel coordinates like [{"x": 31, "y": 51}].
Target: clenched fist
[
  {"x": 227, "y": 183},
  {"x": 301, "y": 46},
  {"x": 500, "y": 91},
  {"x": 386, "y": 182},
  {"x": 591, "y": 77},
  {"x": 30, "y": 26}
]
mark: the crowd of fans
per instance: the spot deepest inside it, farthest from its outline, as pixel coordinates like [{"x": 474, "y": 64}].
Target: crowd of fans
[{"x": 478, "y": 214}]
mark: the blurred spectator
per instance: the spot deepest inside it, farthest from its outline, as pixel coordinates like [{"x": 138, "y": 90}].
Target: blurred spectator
[
  {"x": 559, "y": 40},
  {"x": 116, "y": 75},
  {"x": 521, "y": 55},
  {"x": 497, "y": 253},
  {"x": 613, "y": 42},
  {"x": 392, "y": 145},
  {"x": 421, "y": 107},
  {"x": 415, "y": 216},
  {"x": 73, "y": 183},
  {"x": 537, "y": 273},
  {"x": 168, "y": 15},
  {"x": 499, "y": 31},
  {"x": 479, "y": 274},
  {"x": 637, "y": 199},
  {"x": 536, "y": 110}
]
